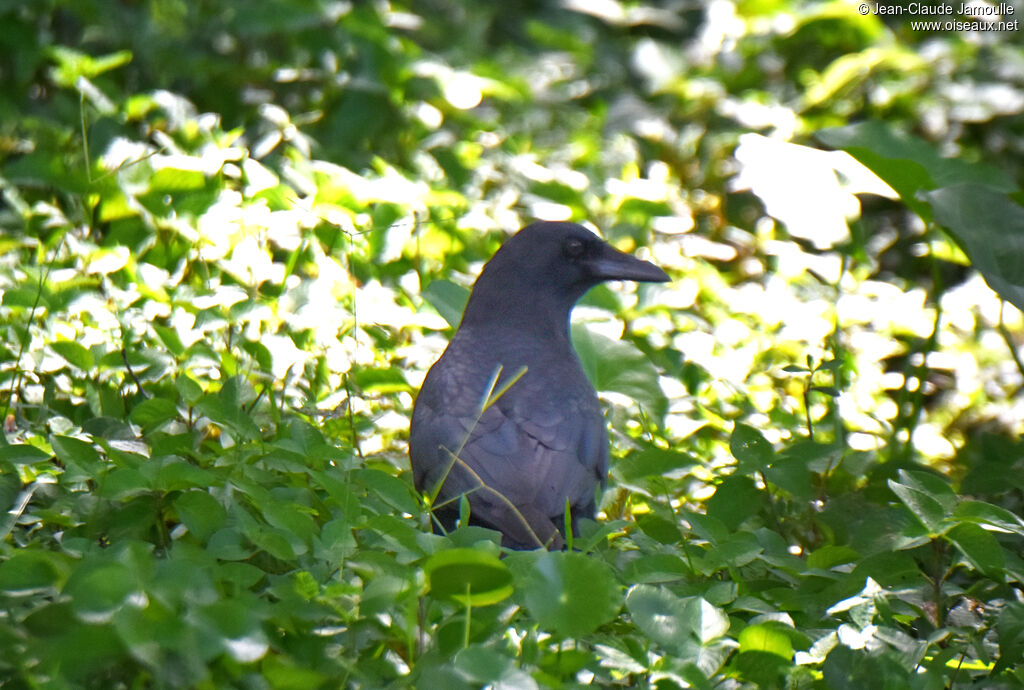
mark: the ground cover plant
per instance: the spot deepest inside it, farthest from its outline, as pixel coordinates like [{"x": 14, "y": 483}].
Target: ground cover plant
[{"x": 232, "y": 241}]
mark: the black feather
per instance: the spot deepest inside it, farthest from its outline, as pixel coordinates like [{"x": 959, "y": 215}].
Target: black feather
[{"x": 543, "y": 442}]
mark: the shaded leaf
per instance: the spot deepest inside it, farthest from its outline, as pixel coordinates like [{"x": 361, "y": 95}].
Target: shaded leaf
[
  {"x": 750, "y": 448},
  {"x": 567, "y": 593},
  {"x": 980, "y": 548},
  {"x": 989, "y": 226},
  {"x": 619, "y": 367},
  {"x": 448, "y": 299}
]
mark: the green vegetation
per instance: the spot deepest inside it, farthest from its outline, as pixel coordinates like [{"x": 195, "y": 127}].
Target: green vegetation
[{"x": 233, "y": 236}]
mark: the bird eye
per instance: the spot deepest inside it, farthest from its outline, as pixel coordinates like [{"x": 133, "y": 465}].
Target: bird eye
[{"x": 574, "y": 248}]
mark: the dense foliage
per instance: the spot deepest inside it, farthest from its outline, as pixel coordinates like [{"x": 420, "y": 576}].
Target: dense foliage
[{"x": 235, "y": 235}]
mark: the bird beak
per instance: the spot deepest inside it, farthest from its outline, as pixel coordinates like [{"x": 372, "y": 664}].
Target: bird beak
[{"x": 615, "y": 265}]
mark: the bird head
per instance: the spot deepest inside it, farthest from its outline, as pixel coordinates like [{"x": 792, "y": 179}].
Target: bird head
[{"x": 543, "y": 270}]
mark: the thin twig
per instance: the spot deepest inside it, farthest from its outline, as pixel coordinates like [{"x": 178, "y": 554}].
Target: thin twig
[
  {"x": 482, "y": 486},
  {"x": 20, "y": 375},
  {"x": 142, "y": 391},
  {"x": 351, "y": 417},
  {"x": 1003, "y": 331}
]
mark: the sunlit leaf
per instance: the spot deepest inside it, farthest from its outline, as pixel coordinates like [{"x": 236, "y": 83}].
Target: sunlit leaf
[
  {"x": 72, "y": 64},
  {"x": 470, "y": 577},
  {"x": 766, "y": 638}
]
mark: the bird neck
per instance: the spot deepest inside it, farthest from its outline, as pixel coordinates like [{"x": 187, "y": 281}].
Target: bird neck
[{"x": 524, "y": 316}]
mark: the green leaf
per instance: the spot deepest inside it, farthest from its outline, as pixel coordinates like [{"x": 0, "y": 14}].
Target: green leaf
[
  {"x": 662, "y": 616},
  {"x": 570, "y": 594},
  {"x": 153, "y": 413},
  {"x": 737, "y": 550},
  {"x": 381, "y": 380},
  {"x": 619, "y": 367},
  {"x": 707, "y": 527},
  {"x": 790, "y": 472},
  {"x": 391, "y": 490},
  {"x": 766, "y": 638},
  {"x": 761, "y": 668},
  {"x": 123, "y": 482},
  {"x": 908, "y": 164},
  {"x": 751, "y": 449},
  {"x": 75, "y": 353},
  {"x": 176, "y": 180},
  {"x": 75, "y": 452},
  {"x": 22, "y": 454},
  {"x": 471, "y": 577},
  {"x": 651, "y": 462},
  {"x": 448, "y": 299},
  {"x": 1010, "y": 628},
  {"x": 26, "y": 298},
  {"x": 735, "y": 499},
  {"x": 169, "y": 337},
  {"x": 929, "y": 499},
  {"x": 29, "y": 571},
  {"x": 291, "y": 518},
  {"x": 229, "y": 415},
  {"x": 273, "y": 542},
  {"x": 673, "y": 622},
  {"x": 980, "y": 548},
  {"x": 237, "y": 627},
  {"x": 177, "y": 474},
  {"x": 981, "y": 513},
  {"x": 72, "y": 64},
  {"x": 830, "y": 556},
  {"x": 656, "y": 568},
  {"x": 201, "y": 513},
  {"x": 283, "y": 673},
  {"x": 335, "y": 542},
  {"x": 189, "y": 390},
  {"x": 659, "y": 529},
  {"x": 227, "y": 544},
  {"x": 99, "y": 589},
  {"x": 483, "y": 664},
  {"x": 989, "y": 226},
  {"x": 935, "y": 486}
]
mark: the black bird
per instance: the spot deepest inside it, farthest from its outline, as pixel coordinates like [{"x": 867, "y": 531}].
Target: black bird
[{"x": 543, "y": 442}]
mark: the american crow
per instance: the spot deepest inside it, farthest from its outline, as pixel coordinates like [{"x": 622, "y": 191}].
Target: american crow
[{"x": 543, "y": 442}]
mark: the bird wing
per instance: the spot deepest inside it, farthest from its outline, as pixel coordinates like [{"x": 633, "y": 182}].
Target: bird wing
[{"x": 539, "y": 445}]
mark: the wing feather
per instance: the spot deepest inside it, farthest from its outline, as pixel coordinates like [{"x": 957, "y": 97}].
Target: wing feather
[{"x": 535, "y": 449}]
